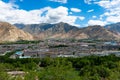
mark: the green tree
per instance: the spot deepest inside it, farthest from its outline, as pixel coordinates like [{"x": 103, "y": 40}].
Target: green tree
[
  {"x": 61, "y": 71},
  {"x": 58, "y": 73},
  {"x": 4, "y": 76},
  {"x": 31, "y": 75}
]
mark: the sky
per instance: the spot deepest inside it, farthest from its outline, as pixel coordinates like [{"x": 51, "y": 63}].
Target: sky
[{"x": 79, "y": 13}]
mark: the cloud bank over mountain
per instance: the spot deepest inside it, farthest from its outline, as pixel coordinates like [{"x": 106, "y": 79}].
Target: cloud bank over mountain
[
  {"x": 77, "y": 13},
  {"x": 11, "y": 13}
]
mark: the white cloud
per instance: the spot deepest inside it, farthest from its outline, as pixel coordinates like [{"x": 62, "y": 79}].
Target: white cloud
[
  {"x": 81, "y": 18},
  {"x": 59, "y": 14},
  {"x": 108, "y": 3},
  {"x": 55, "y": 15},
  {"x": 61, "y": 1},
  {"x": 75, "y": 10},
  {"x": 112, "y": 13},
  {"x": 91, "y": 1},
  {"x": 90, "y": 10},
  {"x": 94, "y": 16},
  {"x": 12, "y": 14},
  {"x": 96, "y": 22},
  {"x": 87, "y": 1},
  {"x": 113, "y": 19}
]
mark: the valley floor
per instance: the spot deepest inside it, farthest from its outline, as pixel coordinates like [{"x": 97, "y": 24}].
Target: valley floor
[{"x": 60, "y": 48}]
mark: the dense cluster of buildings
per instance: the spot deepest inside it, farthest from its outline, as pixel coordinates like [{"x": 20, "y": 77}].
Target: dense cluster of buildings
[{"x": 70, "y": 49}]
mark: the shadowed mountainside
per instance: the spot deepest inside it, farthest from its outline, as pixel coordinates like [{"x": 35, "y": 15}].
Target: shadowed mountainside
[{"x": 114, "y": 27}]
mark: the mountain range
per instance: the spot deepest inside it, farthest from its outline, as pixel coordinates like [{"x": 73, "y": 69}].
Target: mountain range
[
  {"x": 60, "y": 30},
  {"x": 65, "y": 31}
]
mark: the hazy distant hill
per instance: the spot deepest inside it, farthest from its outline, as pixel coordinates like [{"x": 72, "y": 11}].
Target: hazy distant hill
[
  {"x": 114, "y": 27},
  {"x": 36, "y": 28},
  {"x": 20, "y": 26},
  {"x": 63, "y": 30},
  {"x": 9, "y": 32},
  {"x": 99, "y": 32}
]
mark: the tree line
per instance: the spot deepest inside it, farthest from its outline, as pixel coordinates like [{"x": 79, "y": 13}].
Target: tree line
[{"x": 82, "y": 68}]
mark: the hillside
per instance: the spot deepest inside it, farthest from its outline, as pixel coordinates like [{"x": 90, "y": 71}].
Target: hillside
[
  {"x": 99, "y": 32},
  {"x": 9, "y": 32}
]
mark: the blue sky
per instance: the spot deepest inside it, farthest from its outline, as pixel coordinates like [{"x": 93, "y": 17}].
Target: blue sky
[{"x": 80, "y": 13}]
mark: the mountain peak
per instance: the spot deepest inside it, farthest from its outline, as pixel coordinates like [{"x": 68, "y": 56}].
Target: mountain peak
[
  {"x": 5, "y": 25},
  {"x": 62, "y": 24}
]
